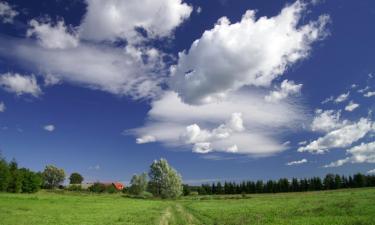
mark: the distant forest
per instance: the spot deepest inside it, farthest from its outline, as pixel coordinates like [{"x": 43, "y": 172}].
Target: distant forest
[{"x": 329, "y": 182}]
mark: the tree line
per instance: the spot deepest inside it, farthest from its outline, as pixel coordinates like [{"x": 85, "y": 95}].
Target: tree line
[{"x": 329, "y": 182}]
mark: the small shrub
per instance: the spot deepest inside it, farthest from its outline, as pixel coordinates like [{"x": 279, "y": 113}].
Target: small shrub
[
  {"x": 194, "y": 193},
  {"x": 111, "y": 189},
  {"x": 74, "y": 187},
  {"x": 97, "y": 188}
]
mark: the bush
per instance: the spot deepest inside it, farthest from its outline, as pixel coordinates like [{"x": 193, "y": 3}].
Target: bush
[
  {"x": 194, "y": 193},
  {"x": 97, "y": 187},
  {"x": 111, "y": 189},
  {"x": 74, "y": 187}
]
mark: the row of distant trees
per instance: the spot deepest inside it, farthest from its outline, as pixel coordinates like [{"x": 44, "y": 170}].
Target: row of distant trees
[
  {"x": 329, "y": 182},
  {"x": 22, "y": 180}
]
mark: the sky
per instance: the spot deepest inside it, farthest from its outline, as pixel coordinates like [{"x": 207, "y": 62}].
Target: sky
[{"x": 224, "y": 90}]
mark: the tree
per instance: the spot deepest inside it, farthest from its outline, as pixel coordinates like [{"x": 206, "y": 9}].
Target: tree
[
  {"x": 329, "y": 181},
  {"x": 15, "y": 181},
  {"x": 53, "y": 176},
  {"x": 4, "y": 174},
  {"x": 75, "y": 178},
  {"x": 31, "y": 181},
  {"x": 164, "y": 180},
  {"x": 138, "y": 184},
  {"x": 97, "y": 187}
]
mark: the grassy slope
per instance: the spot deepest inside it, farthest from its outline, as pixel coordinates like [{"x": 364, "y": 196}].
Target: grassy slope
[{"x": 331, "y": 207}]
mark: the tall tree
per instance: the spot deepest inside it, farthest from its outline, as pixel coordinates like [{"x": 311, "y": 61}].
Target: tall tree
[
  {"x": 53, "y": 176},
  {"x": 138, "y": 184},
  {"x": 15, "y": 181},
  {"x": 4, "y": 174},
  {"x": 75, "y": 178},
  {"x": 165, "y": 181}
]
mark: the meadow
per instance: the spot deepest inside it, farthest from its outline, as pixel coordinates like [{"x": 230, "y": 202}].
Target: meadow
[{"x": 345, "y": 206}]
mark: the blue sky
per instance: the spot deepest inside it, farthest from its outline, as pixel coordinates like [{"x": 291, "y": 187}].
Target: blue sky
[{"x": 224, "y": 90}]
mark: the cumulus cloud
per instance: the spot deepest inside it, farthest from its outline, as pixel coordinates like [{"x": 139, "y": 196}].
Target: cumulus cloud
[
  {"x": 251, "y": 52},
  {"x": 242, "y": 123},
  {"x": 351, "y": 106},
  {"x": 49, "y": 127},
  {"x": 286, "y": 88},
  {"x": 145, "y": 139},
  {"x": 53, "y": 36},
  {"x": 363, "y": 90},
  {"x": 340, "y": 138},
  {"x": 371, "y": 171},
  {"x": 20, "y": 84},
  {"x": 369, "y": 94},
  {"x": 363, "y": 153},
  {"x": 113, "y": 19},
  {"x": 343, "y": 97},
  {"x": 329, "y": 99},
  {"x": 297, "y": 162},
  {"x": 327, "y": 120},
  {"x": 7, "y": 13},
  {"x": 101, "y": 67},
  {"x": 2, "y": 107}
]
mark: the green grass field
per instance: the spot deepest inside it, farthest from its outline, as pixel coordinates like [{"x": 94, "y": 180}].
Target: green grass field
[{"x": 355, "y": 206}]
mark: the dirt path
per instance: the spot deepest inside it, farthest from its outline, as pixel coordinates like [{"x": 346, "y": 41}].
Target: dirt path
[
  {"x": 166, "y": 217},
  {"x": 176, "y": 213}
]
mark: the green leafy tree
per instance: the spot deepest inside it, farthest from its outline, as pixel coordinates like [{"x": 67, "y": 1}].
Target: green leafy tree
[
  {"x": 15, "y": 181},
  {"x": 53, "y": 176},
  {"x": 97, "y": 187},
  {"x": 31, "y": 181},
  {"x": 75, "y": 178},
  {"x": 138, "y": 184},
  {"x": 165, "y": 181},
  {"x": 4, "y": 174}
]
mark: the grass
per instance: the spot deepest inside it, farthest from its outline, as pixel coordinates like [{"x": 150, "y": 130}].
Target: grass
[{"x": 344, "y": 207}]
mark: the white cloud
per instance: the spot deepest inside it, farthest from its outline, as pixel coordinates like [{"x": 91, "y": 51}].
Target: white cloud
[
  {"x": 297, "y": 162},
  {"x": 343, "y": 97},
  {"x": 351, "y": 106},
  {"x": 2, "y": 107},
  {"x": 100, "y": 67},
  {"x": 252, "y": 52},
  {"x": 286, "y": 88},
  {"x": 329, "y": 99},
  {"x": 113, "y": 19},
  {"x": 53, "y": 36},
  {"x": 20, "y": 84},
  {"x": 199, "y": 10},
  {"x": 7, "y": 13},
  {"x": 363, "y": 90},
  {"x": 369, "y": 94},
  {"x": 49, "y": 127},
  {"x": 302, "y": 142},
  {"x": 96, "y": 167},
  {"x": 371, "y": 171},
  {"x": 326, "y": 121},
  {"x": 243, "y": 120},
  {"x": 363, "y": 153},
  {"x": 340, "y": 138},
  {"x": 145, "y": 139}
]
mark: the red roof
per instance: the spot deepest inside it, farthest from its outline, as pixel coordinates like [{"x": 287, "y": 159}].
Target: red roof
[{"x": 118, "y": 186}]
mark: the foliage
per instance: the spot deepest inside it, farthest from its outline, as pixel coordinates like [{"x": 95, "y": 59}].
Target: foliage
[
  {"x": 138, "y": 184},
  {"x": 164, "y": 182},
  {"x": 31, "y": 181},
  {"x": 75, "y": 178},
  {"x": 74, "y": 187},
  {"x": 97, "y": 187},
  {"x": 4, "y": 174},
  {"x": 15, "y": 182},
  {"x": 330, "y": 182},
  {"x": 53, "y": 176},
  {"x": 111, "y": 189}
]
